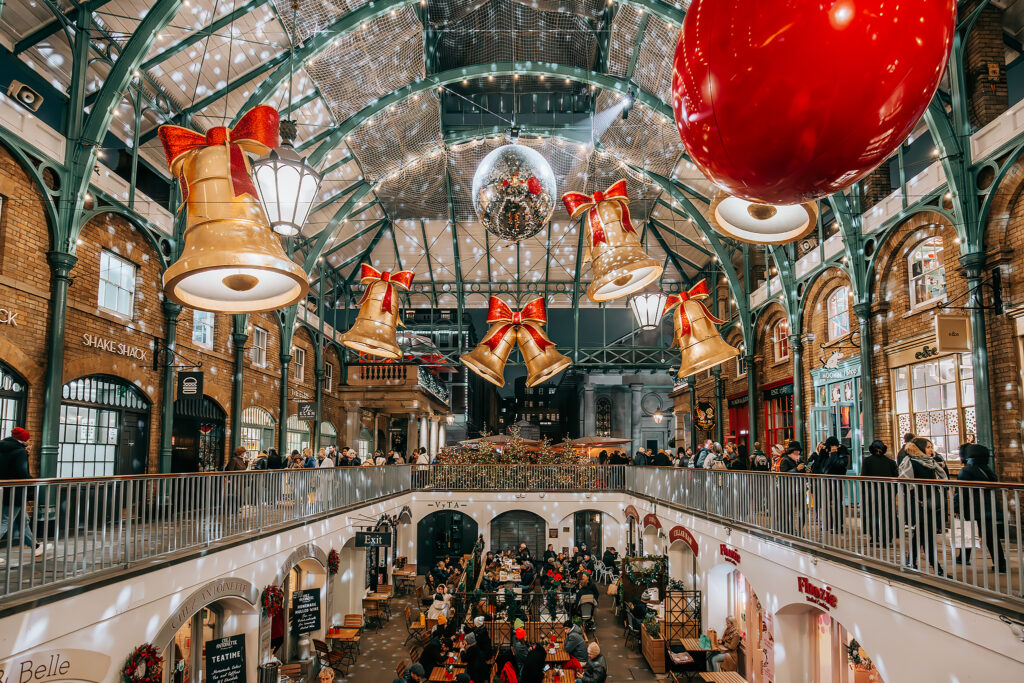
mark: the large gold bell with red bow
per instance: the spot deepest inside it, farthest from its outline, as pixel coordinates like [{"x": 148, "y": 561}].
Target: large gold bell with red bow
[
  {"x": 541, "y": 364},
  {"x": 702, "y": 347},
  {"x": 374, "y": 331},
  {"x": 487, "y": 363},
  {"x": 231, "y": 261}
]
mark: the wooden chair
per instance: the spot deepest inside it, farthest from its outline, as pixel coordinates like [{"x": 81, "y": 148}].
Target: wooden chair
[
  {"x": 373, "y": 614},
  {"x": 400, "y": 668},
  {"x": 413, "y": 627},
  {"x": 328, "y": 657},
  {"x": 415, "y": 652},
  {"x": 292, "y": 671},
  {"x": 353, "y": 621}
]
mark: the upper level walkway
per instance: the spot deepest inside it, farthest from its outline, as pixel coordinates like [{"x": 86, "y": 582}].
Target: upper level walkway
[{"x": 904, "y": 530}]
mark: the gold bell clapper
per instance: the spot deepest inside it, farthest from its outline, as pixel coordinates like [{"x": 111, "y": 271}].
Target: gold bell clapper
[
  {"x": 376, "y": 326},
  {"x": 760, "y": 223},
  {"x": 701, "y": 346},
  {"x": 231, "y": 261},
  {"x": 619, "y": 264},
  {"x": 508, "y": 327}
]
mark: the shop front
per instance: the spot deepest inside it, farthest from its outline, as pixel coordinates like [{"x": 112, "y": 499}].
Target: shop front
[
  {"x": 104, "y": 428},
  {"x": 777, "y": 398},
  {"x": 836, "y": 410},
  {"x": 298, "y": 434},
  {"x": 730, "y": 595},
  {"x": 933, "y": 395},
  {"x": 739, "y": 419},
  {"x": 258, "y": 430},
  {"x": 198, "y": 435}
]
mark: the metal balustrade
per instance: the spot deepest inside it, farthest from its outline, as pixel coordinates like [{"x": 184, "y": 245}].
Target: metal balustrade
[{"x": 897, "y": 525}]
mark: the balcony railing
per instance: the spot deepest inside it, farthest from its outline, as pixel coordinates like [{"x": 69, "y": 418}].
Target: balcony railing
[
  {"x": 396, "y": 375},
  {"x": 896, "y": 525}
]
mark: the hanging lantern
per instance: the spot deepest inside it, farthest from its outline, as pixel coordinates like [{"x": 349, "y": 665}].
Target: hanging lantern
[
  {"x": 658, "y": 416},
  {"x": 231, "y": 261},
  {"x": 514, "y": 192},
  {"x": 450, "y": 419},
  {"x": 287, "y": 184},
  {"x": 374, "y": 331},
  {"x": 701, "y": 346},
  {"x": 620, "y": 266},
  {"x": 648, "y": 308},
  {"x": 760, "y": 223}
]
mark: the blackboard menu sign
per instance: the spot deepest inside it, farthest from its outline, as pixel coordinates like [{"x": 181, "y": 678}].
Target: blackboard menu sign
[
  {"x": 306, "y": 611},
  {"x": 225, "y": 660},
  {"x": 368, "y": 539}
]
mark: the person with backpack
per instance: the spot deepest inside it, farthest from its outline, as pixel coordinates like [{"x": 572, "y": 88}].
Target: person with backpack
[
  {"x": 702, "y": 455},
  {"x": 640, "y": 457},
  {"x": 759, "y": 461}
]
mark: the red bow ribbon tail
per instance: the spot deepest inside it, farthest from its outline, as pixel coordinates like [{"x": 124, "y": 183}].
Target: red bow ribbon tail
[{"x": 538, "y": 336}]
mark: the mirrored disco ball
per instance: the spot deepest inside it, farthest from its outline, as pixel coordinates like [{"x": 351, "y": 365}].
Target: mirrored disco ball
[{"x": 514, "y": 192}]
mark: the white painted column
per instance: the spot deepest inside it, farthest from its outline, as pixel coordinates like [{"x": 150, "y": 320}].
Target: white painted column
[
  {"x": 432, "y": 449},
  {"x": 442, "y": 435},
  {"x": 412, "y": 433},
  {"x": 424, "y": 435}
]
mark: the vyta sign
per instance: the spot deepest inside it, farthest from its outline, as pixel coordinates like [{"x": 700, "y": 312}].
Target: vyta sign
[{"x": 55, "y": 665}]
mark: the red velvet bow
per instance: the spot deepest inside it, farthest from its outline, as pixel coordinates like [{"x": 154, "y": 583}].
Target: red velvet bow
[
  {"x": 577, "y": 202},
  {"x": 697, "y": 293},
  {"x": 256, "y": 133},
  {"x": 369, "y": 275},
  {"x": 533, "y": 314}
]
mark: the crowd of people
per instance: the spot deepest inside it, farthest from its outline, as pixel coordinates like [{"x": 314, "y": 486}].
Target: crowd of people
[{"x": 329, "y": 456}]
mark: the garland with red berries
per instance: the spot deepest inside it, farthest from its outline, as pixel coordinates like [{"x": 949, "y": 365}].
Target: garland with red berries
[
  {"x": 272, "y": 601},
  {"x": 143, "y": 666},
  {"x": 333, "y": 561}
]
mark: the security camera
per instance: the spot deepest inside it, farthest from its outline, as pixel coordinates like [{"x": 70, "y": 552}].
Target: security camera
[{"x": 25, "y": 96}]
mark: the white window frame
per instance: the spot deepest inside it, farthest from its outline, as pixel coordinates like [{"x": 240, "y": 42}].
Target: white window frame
[
  {"x": 259, "y": 347},
  {"x": 299, "y": 364},
  {"x": 741, "y": 362},
  {"x": 328, "y": 377},
  {"x": 202, "y": 328},
  {"x": 110, "y": 258},
  {"x": 839, "y": 296},
  {"x": 911, "y": 278},
  {"x": 778, "y": 340}
]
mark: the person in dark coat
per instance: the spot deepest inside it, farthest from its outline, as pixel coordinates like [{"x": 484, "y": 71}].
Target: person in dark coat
[
  {"x": 975, "y": 506},
  {"x": 431, "y": 655},
  {"x": 611, "y": 560},
  {"x": 14, "y": 465},
  {"x": 832, "y": 460},
  {"x": 596, "y": 668},
  {"x": 533, "y": 665},
  {"x": 970, "y": 440},
  {"x": 877, "y": 515},
  {"x": 791, "y": 463},
  {"x": 924, "y": 513},
  {"x": 475, "y": 661},
  {"x": 661, "y": 460},
  {"x": 236, "y": 463},
  {"x": 274, "y": 460},
  {"x": 483, "y": 638},
  {"x": 575, "y": 642}
]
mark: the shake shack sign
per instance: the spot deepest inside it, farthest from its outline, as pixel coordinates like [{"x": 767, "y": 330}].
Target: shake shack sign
[
  {"x": 225, "y": 660},
  {"x": 117, "y": 348}
]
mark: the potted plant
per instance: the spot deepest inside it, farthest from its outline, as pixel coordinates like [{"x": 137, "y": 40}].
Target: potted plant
[{"x": 653, "y": 644}]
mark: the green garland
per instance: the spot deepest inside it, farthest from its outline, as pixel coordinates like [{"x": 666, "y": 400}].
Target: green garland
[
  {"x": 646, "y": 577},
  {"x": 853, "y": 654}
]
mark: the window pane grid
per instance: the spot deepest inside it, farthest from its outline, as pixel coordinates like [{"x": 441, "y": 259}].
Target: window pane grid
[
  {"x": 934, "y": 400},
  {"x": 259, "y": 347},
  {"x": 117, "y": 284}
]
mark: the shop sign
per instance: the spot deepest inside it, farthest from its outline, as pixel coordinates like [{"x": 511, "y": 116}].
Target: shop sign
[
  {"x": 553, "y": 533},
  {"x": 705, "y": 416},
  {"x": 190, "y": 385},
  {"x": 307, "y": 410},
  {"x": 111, "y": 346},
  {"x": 737, "y": 401},
  {"x": 678, "y": 533},
  {"x": 306, "y": 610},
  {"x": 728, "y": 554},
  {"x": 446, "y": 504},
  {"x": 952, "y": 334},
  {"x": 776, "y": 392},
  {"x": 826, "y": 375},
  {"x": 822, "y": 597},
  {"x": 368, "y": 539},
  {"x": 225, "y": 659},
  {"x": 631, "y": 512},
  {"x": 8, "y": 317},
  {"x": 56, "y": 665},
  {"x": 651, "y": 519}
]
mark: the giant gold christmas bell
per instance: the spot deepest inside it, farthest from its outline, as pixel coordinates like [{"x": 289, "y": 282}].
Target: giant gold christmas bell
[
  {"x": 377, "y": 322},
  {"x": 760, "y": 223},
  {"x": 543, "y": 361},
  {"x": 231, "y": 261},
  {"x": 701, "y": 346},
  {"x": 620, "y": 266}
]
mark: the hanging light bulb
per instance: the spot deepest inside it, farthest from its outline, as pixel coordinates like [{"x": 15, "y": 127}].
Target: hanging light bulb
[
  {"x": 287, "y": 184},
  {"x": 648, "y": 307}
]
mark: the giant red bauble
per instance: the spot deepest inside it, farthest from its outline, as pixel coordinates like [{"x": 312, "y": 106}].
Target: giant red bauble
[{"x": 785, "y": 101}]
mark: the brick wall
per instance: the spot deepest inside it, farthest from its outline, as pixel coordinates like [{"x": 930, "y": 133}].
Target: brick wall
[{"x": 985, "y": 67}]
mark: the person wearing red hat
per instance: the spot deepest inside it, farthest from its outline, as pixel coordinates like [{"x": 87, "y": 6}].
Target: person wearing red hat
[{"x": 14, "y": 465}]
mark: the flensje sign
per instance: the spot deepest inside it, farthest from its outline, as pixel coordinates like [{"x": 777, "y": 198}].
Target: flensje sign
[
  {"x": 225, "y": 659},
  {"x": 372, "y": 539},
  {"x": 306, "y": 610}
]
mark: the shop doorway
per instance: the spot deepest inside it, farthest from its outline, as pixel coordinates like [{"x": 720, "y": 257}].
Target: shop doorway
[
  {"x": 104, "y": 428},
  {"x": 509, "y": 529},
  {"x": 258, "y": 430},
  {"x": 588, "y": 532},
  {"x": 446, "y": 532},
  {"x": 682, "y": 564},
  {"x": 814, "y": 647},
  {"x": 13, "y": 393},
  {"x": 198, "y": 436},
  {"x": 729, "y": 595},
  {"x": 739, "y": 420}
]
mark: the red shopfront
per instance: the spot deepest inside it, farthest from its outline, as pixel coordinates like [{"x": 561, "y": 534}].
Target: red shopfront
[
  {"x": 777, "y": 398},
  {"x": 739, "y": 419}
]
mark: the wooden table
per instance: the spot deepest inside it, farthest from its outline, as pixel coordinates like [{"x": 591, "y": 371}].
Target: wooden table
[
  {"x": 379, "y": 597},
  {"x": 691, "y": 645},
  {"x": 439, "y": 674},
  {"x": 405, "y": 573},
  {"x": 343, "y": 634},
  {"x": 567, "y": 676},
  {"x": 560, "y": 656},
  {"x": 723, "y": 677}
]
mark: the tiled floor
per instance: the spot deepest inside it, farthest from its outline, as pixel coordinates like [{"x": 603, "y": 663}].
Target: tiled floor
[{"x": 382, "y": 651}]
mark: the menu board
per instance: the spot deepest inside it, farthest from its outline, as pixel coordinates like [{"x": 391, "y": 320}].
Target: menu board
[
  {"x": 225, "y": 659},
  {"x": 306, "y": 610}
]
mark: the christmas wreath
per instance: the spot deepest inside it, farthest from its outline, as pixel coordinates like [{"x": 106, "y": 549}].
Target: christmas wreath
[
  {"x": 143, "y": 666},
  {"x": 657, "y": 567},
  {"x": 332, "y": 562},
  {"x": 272, "y": 601}
]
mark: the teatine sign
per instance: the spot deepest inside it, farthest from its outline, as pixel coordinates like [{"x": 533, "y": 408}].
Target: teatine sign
[{"x": 823, "y": 597}]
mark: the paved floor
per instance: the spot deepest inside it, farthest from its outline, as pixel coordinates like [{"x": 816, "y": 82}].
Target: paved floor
[{"x": 382, "y": 651}]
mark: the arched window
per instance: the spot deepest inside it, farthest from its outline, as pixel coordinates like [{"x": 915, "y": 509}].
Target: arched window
[
  {"x": 257, "y": 430},
  {"x": 104, "y": 428},
  {"x": 298, "y": 434},
  {"x": 838, "y": 313},
  {"x": 13, "y": 391},
  {"x": 603, "y": 421},
  {"x": 927, "y": 272},
  {"x": 328, "y": 434},
  {"x": 780, "y": 340},
  {"x": 741, "y": 360}
]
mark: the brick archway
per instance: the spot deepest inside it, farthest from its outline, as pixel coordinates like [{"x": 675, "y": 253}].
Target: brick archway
[
  {"x": 21, "y": 363},
  {"x": 121, "y": 369}
]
